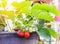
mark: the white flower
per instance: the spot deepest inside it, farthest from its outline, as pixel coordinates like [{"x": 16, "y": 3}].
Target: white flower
[{"x": 30, "y": 30}]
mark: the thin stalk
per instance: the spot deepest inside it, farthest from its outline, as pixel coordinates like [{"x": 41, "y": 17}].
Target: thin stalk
[
  {"x": 2, "y": 20},
  {"x": 49, "y": 42},
  {"x": 9, "y": 26}
]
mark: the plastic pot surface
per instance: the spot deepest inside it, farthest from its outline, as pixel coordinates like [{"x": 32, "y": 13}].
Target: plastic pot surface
[{"x": 13, "y": 38}]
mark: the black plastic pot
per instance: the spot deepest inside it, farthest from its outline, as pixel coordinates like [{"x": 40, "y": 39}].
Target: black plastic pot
[{"x": 12, "y": 38}]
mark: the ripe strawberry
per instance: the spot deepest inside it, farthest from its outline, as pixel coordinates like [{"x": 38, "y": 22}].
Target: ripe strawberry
[
  {"x": 15, "y": 29},
  {"x": 21, "y": 33},
  {"x": 26, "y": 35}
]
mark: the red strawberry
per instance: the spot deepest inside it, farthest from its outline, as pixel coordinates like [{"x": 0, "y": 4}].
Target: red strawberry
[
  {"x": 26, "y": 35},
  {"x": 21, "y": 33},
  {"x": 15, "y": 29}
]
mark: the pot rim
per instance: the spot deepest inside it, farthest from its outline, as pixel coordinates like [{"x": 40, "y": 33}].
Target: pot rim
[
  {"x": 8, "y": 33},
  {"x": 12, "y": 33}
]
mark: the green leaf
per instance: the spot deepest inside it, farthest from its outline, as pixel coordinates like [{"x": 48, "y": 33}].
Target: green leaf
[
  {"x": 43, "y": 32},
  {"x": 53, "y": 9},
  {"x": 18, "y": 24},
  {"x": 15, "y": 4},
  {"x": 45, "y": 16},
  {"x": 1, "y": 12},
  {"x": 42, "y": 6},
  {"x": 21, "y": 5},
  {"x": 10, "y": 14},
  {"x": 53, "y": 33},
  {"x": 25, "y": 3},
  {"x": 41, "y": 23},
  {"x": 39, "y": 42},
  {"x": 45, "y": 7},
  {"x": 39, "y": 14},
  {"x": 3, "y": 3},
  {"x": 26, "y": 10}
]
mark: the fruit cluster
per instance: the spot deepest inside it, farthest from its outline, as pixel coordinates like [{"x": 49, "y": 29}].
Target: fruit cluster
[{"x": 22, "y": 33}]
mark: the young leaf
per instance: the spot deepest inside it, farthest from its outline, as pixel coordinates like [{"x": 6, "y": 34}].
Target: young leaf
[
  {"x": 3, "y": 3},
  {"x": 43, "y": 32},
  {"x": 21, "y": 5},
  {"x": 16, "y": 5},
  {"x": 10, "y": 14},
  {"x": 1, "y": 12},
  {"x": 26, "y": 10}
]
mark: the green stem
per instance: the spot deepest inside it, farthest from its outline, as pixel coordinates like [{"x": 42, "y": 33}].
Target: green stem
[
  {"x": 49, "y": 41},
  {"x": 2, "y": 21}
]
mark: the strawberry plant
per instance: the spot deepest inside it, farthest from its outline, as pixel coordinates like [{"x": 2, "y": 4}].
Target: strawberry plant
[
  {"x": 28, "y": 14},
  {"x": 32, "y": 17}
]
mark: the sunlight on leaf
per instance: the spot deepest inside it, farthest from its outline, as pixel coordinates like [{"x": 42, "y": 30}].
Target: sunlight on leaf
[
  {"x": 21, "y": 5},
  {"x": 39, "y": 14},
  {"x": 53, "y": 9},
  {"x": 45, "y": 7},
  {"x": 3, "y": 3},
  {"x": 10, "y": 14},
  {"x": 15, "y": 4}
]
